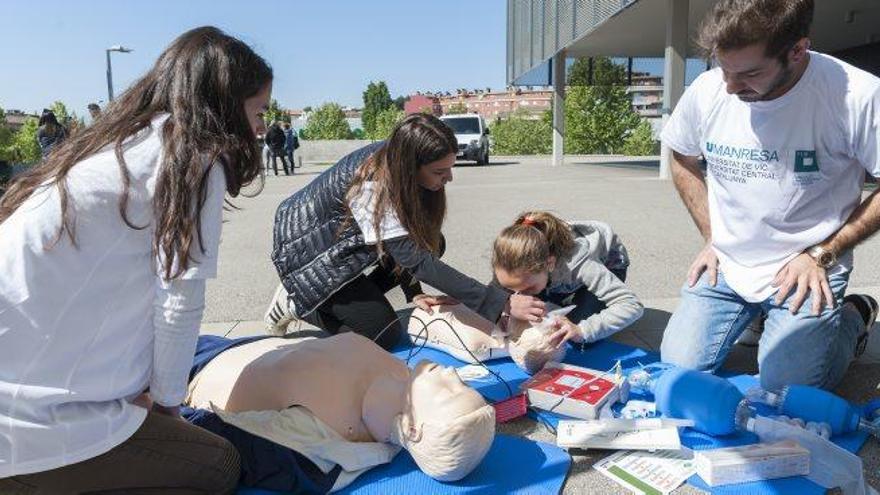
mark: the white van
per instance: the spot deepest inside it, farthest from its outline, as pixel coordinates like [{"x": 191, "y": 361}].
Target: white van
[{"x": 472, "y": 135}]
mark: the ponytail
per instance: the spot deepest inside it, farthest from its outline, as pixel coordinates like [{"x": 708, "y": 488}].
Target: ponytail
[{"x": 533, "y": 238}]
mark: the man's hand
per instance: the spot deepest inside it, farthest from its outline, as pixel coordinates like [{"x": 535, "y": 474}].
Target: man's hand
[
  {"x": 526, "y": 308},
  {"x": 706, "y": 261},
  {"x": 425, "y": 301},
  {"x": 566, "y": 330},
  {"x": 807, "y": 277}
]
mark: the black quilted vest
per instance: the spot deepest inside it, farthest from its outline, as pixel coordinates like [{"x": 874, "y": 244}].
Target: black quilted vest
[{"x": 313, "y": 258}]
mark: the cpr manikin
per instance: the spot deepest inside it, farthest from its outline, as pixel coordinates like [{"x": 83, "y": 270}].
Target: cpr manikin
[
  {"x": 528, "y": 345},
  {"x": 359, "y": 391}
]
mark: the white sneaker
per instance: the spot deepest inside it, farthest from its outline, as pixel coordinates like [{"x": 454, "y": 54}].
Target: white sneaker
[
  {"x": 752, "y": 334},
  {"x": 278, "y": 316}
]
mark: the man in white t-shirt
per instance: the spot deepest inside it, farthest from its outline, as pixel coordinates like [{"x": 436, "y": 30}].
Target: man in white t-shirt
[{"x": 787, "y": 135}]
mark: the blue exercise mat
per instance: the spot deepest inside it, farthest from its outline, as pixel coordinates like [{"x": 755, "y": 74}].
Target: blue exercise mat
[
  {"x": 603, "y": 356},
  {"x": 513, "y": 465}
]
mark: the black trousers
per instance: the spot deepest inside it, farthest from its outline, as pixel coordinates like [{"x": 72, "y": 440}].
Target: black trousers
[
  {"x": 280, "y": 154},
  {"x": 361, "y": 306}
]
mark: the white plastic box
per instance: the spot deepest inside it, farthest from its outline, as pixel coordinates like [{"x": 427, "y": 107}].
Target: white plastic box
[{"x": 761, "y": 461}]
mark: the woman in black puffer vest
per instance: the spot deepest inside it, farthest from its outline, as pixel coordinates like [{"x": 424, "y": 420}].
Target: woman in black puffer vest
[{"x": 367, "y": 224}]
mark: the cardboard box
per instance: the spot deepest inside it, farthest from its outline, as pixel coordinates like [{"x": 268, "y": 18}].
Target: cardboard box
[
  {"x": 760, "y": 461},
  {"x": 572, "y": 390}
]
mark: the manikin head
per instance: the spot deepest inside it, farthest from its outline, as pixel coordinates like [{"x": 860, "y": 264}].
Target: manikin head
[
  {"x": 445, "y": 425},
  {"x": 531, "y": 347},
  {"x": 760, "y": 45},
  {"x": 525, "y": 253}
]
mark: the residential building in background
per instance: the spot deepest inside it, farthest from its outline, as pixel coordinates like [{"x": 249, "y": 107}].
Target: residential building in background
[{"x": 16, "y": 118}]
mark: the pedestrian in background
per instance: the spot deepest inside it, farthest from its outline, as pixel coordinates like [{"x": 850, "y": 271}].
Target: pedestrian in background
[
  {"x": 291, "y": 143},
  {"x": 275, "y": 140},
  {"x": 50, "y": 133}
]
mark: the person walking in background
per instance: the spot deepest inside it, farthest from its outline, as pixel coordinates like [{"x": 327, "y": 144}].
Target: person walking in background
[
  {"x": 105, "y": 249},
  {"x": 50, "y": 133},
  {"x": 275, "y": 140},
  {"x": 291, "y": 143},
  {"x": 94, "y": 111}
]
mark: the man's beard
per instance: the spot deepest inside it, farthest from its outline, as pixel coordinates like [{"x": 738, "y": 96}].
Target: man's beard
[{"x": 785, "y": 76}]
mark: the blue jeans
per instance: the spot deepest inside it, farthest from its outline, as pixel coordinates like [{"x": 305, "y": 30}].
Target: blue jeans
[{"x": 794, "y": 349}]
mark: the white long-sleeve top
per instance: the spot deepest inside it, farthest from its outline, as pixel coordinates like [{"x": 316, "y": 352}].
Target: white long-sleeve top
[{"x": 85, "y": 328}]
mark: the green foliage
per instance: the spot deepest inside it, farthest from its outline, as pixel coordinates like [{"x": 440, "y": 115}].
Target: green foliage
[
  {"x": 399, "y": 102},
  {"x": 376, "y": 99},
  {"x": 358, "y": 134},
  {"x": 327, "y": 122},
  {"x": 307, "y": 109},
  {"x": 640, "y": 141},
  {"x": 61, "y": 114},
  {"x": 275, "y": 113},
  {"x": 385, "y": 122},
  {"x": 24, "y": 147},
  {"x": 5, "y": 138},
  {"x": 598, "y": 117},
  {"x": 456, "y": 108},
  {"x": 521, "y": 135}
]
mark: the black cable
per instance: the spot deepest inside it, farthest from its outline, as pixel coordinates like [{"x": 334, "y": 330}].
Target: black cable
[
  {"x": 418, "y": 348},
  {"x": 466, "y": 348}
]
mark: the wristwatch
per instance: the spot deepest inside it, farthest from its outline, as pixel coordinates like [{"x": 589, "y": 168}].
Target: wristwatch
[{"x": 823, "y": 257}]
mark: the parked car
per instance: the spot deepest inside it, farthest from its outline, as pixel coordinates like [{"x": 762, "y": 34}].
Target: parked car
[{"x": 472, "y": 135}]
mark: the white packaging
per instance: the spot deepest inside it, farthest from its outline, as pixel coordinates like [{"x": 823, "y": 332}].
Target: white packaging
[
  {"x": 761, "y": 461},
  {"x": 608, "y": 434}
]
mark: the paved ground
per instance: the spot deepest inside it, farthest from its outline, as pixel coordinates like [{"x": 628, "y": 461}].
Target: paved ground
[{"x": 645, "y": 211}]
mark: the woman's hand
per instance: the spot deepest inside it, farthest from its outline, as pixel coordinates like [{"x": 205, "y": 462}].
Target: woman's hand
[
  {"x": 425, "y": 301},
  {"x": 173, "y": 411},
  {"x": 566, "y": 331},
  {"x": 527, "y": 308}
]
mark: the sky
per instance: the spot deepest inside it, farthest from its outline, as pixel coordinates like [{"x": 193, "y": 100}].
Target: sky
[{"x": 320, "y": 50}]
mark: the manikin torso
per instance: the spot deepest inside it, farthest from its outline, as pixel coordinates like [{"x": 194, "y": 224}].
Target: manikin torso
[{"x": 346, "y": 381}]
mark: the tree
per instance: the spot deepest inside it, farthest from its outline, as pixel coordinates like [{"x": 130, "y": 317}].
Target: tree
[
  {"x": 24, "y": 147},
  {"x": 60, "y": 111},
  {"x": 521, "y": 135},
  {"x": 385, "y": 122},
  {"x": 307, "y": 109},
  {"x": 598, "y": 117},
  {"x": 376, "y": 99},
  {"x": 275, "y": 113},
  {"x": 399, "y": 102},
  {"x": 5, "y": 138},
  {"x": 456, "y": 108},
  {"x": 640, "y": 141},
  {"x": 328, "y": 122}
]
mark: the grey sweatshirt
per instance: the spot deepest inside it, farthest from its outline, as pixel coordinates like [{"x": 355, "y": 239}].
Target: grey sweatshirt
[{"x": 598, "y": 251}]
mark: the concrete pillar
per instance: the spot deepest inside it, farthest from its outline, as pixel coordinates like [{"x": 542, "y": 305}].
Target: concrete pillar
[
  {"x": 558, "y": 107},
  {"x": 673, "y": 66}
]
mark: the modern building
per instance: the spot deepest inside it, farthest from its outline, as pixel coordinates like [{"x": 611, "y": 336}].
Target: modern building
[{"x": 542, "y": 34}]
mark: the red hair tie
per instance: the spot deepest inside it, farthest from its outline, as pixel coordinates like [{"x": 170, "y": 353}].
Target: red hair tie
[{"x": 527, "y": 222}]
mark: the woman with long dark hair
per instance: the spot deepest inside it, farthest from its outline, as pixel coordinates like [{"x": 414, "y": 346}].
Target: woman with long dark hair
[
  {"x": 104, "y": 250},
  {"x": 50, "y": 133},
  {"x": 369, "y": 223}
]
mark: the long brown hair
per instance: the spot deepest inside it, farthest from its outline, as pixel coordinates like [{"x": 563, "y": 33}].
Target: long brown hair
[
  {"x": 533, "y": 238},
  {"x": 416, "y": 141},
  {"x": 202, "y": 80}
]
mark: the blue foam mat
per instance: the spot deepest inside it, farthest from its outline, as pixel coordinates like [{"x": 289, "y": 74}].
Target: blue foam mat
[
  {"x": 540, "y": 468},
  {"x": 604, "y": 355}
]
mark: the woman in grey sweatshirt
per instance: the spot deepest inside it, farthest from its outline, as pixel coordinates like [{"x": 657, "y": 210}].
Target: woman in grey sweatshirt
[{"x": 569, "y": 263}]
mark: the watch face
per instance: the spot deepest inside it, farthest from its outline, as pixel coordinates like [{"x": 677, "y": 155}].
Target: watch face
[{"x": 826, "y": 259}]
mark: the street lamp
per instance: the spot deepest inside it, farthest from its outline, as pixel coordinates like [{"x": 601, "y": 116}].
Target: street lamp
[{"x": 114, "y": 48}]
